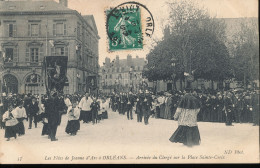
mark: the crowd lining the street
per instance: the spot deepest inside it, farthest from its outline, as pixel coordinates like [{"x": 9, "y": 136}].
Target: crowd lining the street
[{"x": 240, "y": 106}]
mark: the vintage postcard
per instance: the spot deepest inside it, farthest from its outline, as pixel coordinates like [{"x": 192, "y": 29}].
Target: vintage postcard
[{"x": 118, "y": 81}]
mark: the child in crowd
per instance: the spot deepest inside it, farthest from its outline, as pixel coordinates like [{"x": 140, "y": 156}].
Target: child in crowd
[
  {"x": 10, "y": 124},
  {"x": 73, "y": 113},
  {"x": 104, "y": 106}
]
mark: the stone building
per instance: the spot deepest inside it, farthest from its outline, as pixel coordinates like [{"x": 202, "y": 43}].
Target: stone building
[
  {"x": 121, "y": 75},
  {"x": 30, "y": 30}
]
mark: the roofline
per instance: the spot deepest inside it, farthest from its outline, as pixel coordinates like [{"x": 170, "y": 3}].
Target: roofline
[{"x": 11, "y": 13}]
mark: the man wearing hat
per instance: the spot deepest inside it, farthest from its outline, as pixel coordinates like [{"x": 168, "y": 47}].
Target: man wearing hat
[
  {"x": 146, "y": 107},
  {"x": 228, "y": 105},
  {"x": 139, "y": 109},
  {"x": 33, "y": 109},
  {"x": 27, "y": 101},
  {"x": 129, "y": 105}
]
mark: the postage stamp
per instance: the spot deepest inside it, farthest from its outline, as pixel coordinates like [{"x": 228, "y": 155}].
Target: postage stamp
[{"x": 124, "y": 26}]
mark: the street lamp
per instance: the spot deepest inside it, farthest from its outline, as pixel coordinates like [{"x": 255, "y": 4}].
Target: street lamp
[{"x": 173, "y": 64}]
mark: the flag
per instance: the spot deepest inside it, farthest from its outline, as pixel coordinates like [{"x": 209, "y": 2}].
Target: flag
[{"x": 55, "y": 73}]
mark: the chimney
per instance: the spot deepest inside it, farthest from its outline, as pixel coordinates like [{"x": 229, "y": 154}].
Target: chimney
[
  {"x": 129, "y": 60},
  {"x": 64, "y": 2},
  {"x": 117, "y": 60},
  {"x": 107, "y": 62}
]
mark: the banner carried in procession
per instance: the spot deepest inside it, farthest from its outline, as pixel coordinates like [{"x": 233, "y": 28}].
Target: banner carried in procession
[
  {"x": 55, "y": 68},
  {"x": 91, "y": 82}
]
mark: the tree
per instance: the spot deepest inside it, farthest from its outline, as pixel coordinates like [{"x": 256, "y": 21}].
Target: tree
[
  {"x": 196, "y": 41},
  {"x": 246, "y": 52}
]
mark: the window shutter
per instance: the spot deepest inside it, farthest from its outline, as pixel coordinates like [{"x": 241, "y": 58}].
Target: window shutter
[
  {"x": 41, "y": 55},
  {"x": 54, "y": 29},
  {"x": 65, "y": 29},
  {"x": 29, "y": 30},
  {"x": 7, "y": 33},
  {"x": 66, "y": 51},
  {"x": 14, "y": 30},
  {"x": 39, "y": 29},
  {"x": 52, "y": 51},
  {"x": 6, "y": 29},
  {"x": 27, "y": 56},
  {"x": 15, "y": 56}
]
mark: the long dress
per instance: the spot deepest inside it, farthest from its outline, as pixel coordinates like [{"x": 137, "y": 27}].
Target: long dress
[
  {"x": 20, "y": 115},
  {"x": 168, "y": 108},
  {"x": 10, "y": 125},
  {"x": 187, "y": 131},
  {"x": 162, "y": 106},
  {"x": 73, "y": 124}
]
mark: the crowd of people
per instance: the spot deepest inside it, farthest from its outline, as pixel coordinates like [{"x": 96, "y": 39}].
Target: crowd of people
[
  {"x": 49, "y": 110},
  {"x": 240, "y": 106}
]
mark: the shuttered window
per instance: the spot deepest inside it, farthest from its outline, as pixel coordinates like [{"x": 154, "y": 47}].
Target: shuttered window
[
  {"x": 27, "y": 56},
  {"x": 34, "y": 29},
  {"x": 59, "y": 29},
  {"x": 15, "y": 54}
]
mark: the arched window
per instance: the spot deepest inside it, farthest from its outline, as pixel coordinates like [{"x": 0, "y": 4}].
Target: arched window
[
  {"x": 10, "y": 84},
  {"x": 32, "y": 84}
]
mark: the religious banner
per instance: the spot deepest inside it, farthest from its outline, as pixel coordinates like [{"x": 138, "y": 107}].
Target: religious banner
[
  {"x": 55, "y": 73},
  {"x": 91, "y": 83}
]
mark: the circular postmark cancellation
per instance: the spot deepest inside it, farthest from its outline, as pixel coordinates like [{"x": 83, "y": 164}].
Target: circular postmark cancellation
[{"x": 128, "y": 24}]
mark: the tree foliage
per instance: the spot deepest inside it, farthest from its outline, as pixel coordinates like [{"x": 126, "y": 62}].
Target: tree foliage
[
  {"x": 196, "y": 41},
  {"x": 246, "y": 51}
]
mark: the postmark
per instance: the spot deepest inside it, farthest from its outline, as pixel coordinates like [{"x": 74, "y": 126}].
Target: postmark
[{"x": 128, "y": 25}]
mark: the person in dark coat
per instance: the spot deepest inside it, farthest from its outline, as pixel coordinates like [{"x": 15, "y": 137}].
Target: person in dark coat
[
  {"x": 94, "y": 110},
  {"x": 139, "y": 110},
  {"x": 146, "y": 107},
  {"x": 27, "y": 102},
  {"x": 228, "y": 105},
  {"x": 219, "y": 108},
  {"x": 33, "y": 109},
  {"x": 238, "y": 108},
  {"x": 53, "y": 116},
  {"x": 255, "y": 108},
  {"x": 129, "y": 107}
]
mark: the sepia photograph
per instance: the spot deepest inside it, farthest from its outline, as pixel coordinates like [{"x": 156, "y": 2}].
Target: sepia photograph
[{"x": 129, "y": 82}]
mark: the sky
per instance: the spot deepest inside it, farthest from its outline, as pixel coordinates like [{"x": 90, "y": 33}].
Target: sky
[{"x": 160, "y": 12}]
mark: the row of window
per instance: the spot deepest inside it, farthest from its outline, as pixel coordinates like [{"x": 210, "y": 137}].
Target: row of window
[
  {"x": 123, "y": 76},
  {"x": 34, "y": 29},
  {"x": 120, "y": 82},
  {"x": 122, "y": 69},
  {"x": 33, "y": 54}
]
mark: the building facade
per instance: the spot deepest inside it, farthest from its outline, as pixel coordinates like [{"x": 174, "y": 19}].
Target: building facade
[
  {"x": 30, "y": 30},
  {"x": 121, "y": 75}
]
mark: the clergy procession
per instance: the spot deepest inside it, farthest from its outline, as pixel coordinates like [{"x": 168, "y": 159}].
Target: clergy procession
[{"x": 81, "y": 110}]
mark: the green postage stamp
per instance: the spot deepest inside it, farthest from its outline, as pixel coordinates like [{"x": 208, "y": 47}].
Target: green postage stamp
[{"x": 124, "y": 28}]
